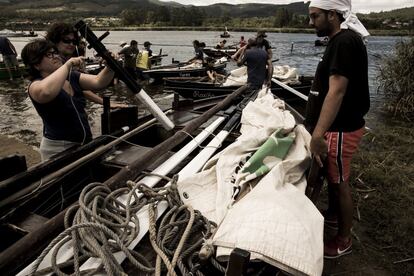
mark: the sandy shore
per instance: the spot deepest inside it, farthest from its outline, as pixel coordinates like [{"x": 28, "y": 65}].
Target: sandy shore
[{"x": 10, "y": 146}]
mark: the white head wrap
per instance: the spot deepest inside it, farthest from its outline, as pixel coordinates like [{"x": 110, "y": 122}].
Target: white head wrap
[{"x": 345, "y": 8}]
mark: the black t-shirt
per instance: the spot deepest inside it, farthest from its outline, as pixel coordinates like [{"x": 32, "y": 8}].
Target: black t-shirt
[
  {"x": 345, "y": 55},
  {"x": 130, "y": 54},
  {"x": 64, "y": 117}
]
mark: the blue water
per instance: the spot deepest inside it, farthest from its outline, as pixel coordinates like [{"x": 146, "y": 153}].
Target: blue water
[{"x": 20, "y": 120}]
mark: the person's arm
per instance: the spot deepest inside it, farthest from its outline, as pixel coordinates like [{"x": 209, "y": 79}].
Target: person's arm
[
  {"x": 45, "y": 90},
  {"x": 236, "y": 56},
  {"x": 330, "y": 108},
  {"x": 91, "y": 96},
  {"x": 269, "y": 73},
  {"x": 96, "y": 82},
  {"x": 242, "y": 58},
  {"x": 210, "y": 75}
]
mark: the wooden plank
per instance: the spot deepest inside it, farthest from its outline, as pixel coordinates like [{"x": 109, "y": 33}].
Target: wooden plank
[{"x": 238, "y": 262}]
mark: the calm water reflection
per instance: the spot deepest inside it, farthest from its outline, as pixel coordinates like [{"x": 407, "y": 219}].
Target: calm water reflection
[{"x": 19, "y": 119}]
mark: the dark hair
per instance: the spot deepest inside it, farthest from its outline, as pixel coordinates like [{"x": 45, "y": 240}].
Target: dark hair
[
  {"x": 33, "y": 53},
  {"x": 202, "y": 44},
  {"x": 58, "y": 30},
  {"x": 224, "y": 41},
  {"x": 340, "y": 17},
  {"x": 133, "y": 42},
  {"x": 196, "y": 43},
  {"x": 251, "y": 42}
]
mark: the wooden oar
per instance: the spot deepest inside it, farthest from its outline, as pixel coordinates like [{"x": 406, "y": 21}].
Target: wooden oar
[
  {"x": 50, "y": 179},
  {"x": 67, "y": 253},
  {"x": 18, "y": 254},
  {"x": 290, "y": 89},
  {"x": 191, "y": 168},
  {"x": 135, "y": 88},
  {"x": 21, "y": 180}
]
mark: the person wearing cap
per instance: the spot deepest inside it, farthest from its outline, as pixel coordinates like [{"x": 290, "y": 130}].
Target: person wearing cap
[
  {"x": 337, "y": 104},
  {"x": 264, "y": 43},
  {"x": 147, "y": 46},
  {"x": 130, "y": 54}
]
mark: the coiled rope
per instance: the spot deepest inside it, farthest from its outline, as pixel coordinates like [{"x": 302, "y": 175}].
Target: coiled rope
[{"x": 101, "y": 225}]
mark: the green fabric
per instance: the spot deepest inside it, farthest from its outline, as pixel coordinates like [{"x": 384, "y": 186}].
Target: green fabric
[{"x": 271, "y": 152}]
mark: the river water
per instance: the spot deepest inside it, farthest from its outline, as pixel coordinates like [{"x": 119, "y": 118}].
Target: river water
[{"x": 20, "y": 120}]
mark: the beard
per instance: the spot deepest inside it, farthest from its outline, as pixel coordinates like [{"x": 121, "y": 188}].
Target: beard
[{"x": 322, "y": 32}]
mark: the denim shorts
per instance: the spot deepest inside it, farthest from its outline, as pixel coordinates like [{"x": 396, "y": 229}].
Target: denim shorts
[{"x": 49, "y": 147}]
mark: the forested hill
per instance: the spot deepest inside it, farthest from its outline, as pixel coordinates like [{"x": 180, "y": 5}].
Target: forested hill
[{"x": 154, "y": 13}]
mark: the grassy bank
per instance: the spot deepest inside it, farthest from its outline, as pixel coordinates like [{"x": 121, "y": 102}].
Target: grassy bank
[{"x": 384, "y": 192}]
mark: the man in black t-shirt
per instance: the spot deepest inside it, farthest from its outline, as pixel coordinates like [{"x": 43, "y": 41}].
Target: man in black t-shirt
[
  {"x": 130, "y": 54},
  {"x": 262, "y": 42},
  {"x": 338, "y": 101}
]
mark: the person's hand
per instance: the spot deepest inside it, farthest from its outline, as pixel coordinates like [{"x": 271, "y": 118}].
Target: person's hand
[
  {"x": 319, "y": 149},
  {"x": 77, "y": 62},
  {"x": 115, "y": 105},
  {"x": 269, "y": 83}
]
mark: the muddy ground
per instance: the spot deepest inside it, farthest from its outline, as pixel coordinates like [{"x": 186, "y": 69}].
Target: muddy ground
[{"x": 11, "y": 146}]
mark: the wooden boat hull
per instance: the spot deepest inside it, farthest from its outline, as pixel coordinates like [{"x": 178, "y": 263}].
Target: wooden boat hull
[
  {"x": 199, "y": 88},
  {"x": 4, "y": 74},
  {"x": 171, "y": 71},
  {"x": 101, "y": 168},
  {"x": 219, "y": 53}
]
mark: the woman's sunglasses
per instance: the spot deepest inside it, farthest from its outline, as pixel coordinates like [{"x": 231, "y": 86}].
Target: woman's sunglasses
[{"x": 68, "y": 41}]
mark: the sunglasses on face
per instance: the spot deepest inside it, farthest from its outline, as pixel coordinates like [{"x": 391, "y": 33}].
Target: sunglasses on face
[
  {"x": 68, "y": 41},
  {"x": 52, "y": 54}
]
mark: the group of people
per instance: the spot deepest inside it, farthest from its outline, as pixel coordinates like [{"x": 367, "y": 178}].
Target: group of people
[
  {"x": 338, "y": 100},
  {"x": 135, "y": 61},
  {"x": 59, "y": 87}
]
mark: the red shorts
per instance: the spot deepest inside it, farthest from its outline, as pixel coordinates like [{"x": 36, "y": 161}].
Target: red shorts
[{"x": 341, "y": 147}]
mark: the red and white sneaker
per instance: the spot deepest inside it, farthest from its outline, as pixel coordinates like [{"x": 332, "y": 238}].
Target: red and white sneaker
[{"x": 337, "y": 247}]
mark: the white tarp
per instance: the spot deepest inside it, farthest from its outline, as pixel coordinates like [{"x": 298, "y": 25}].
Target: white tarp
[
  {"x": 275, "y": 221},
  {"x": 284, "y": 73}
]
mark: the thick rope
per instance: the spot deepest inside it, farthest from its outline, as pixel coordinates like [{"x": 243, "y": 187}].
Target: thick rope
[{"x": 101, "y": 224}]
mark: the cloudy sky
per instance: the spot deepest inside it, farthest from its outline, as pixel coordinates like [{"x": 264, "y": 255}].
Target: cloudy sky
[{"x": 362, "y": 6}]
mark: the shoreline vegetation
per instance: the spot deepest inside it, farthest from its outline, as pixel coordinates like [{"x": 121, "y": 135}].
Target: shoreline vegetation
[{"x": 373, "y": 32}]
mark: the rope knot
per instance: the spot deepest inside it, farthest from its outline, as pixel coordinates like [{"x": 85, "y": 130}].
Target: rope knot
[{"x": 207, "y": 250}]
